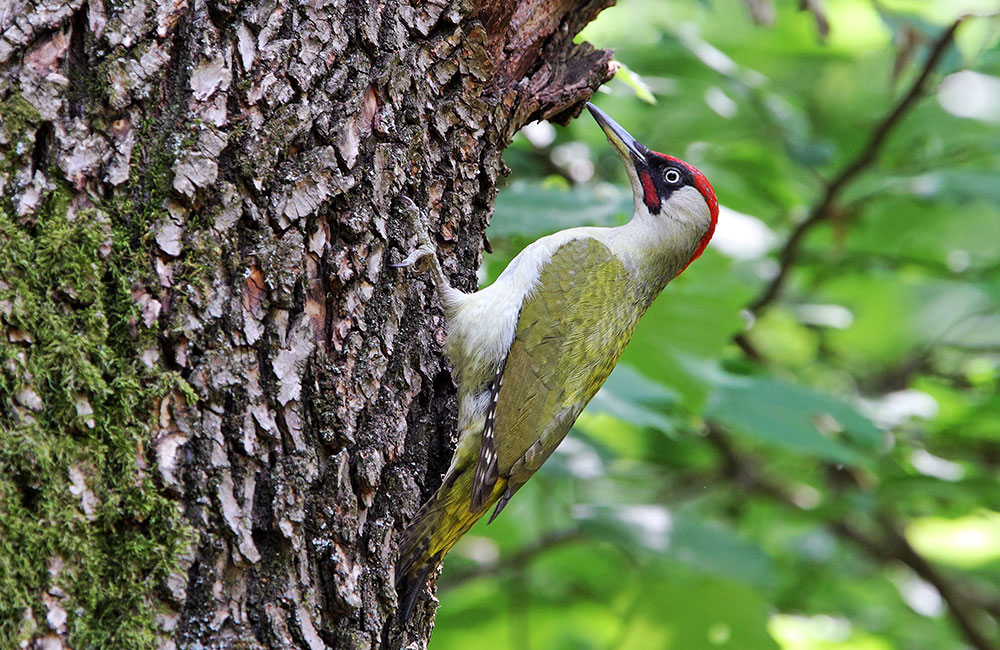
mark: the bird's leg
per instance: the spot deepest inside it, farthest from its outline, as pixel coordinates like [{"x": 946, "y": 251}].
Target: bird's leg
[{"x": 425, "y": 255}]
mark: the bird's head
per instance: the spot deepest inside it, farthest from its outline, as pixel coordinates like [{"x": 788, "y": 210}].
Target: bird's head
[{"x": 664, "y": 187}]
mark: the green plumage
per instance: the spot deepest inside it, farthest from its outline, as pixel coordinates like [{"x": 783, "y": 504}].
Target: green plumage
[
  {"x": 570, "y": 333},
  {"x": 569, "y": 337}
]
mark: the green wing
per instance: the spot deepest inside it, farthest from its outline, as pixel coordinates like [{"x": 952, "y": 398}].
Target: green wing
[{"x": 569, "y": 337}]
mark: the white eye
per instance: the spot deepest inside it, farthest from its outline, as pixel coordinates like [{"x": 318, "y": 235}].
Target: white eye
[{"x": 672, "y": 176}]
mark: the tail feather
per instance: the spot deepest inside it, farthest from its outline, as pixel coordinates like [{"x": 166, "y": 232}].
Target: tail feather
[
  {"x": 435, "y": 529},
  {"x": 409, "y": 586}
]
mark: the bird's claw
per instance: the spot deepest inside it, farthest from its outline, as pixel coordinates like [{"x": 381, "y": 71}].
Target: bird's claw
[
  {"x": 426, "y": 254},
  {"x": 425, "y": 247}
]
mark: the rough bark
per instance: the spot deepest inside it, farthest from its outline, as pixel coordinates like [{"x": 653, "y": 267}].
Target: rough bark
[{"x": 220, "y": 405}]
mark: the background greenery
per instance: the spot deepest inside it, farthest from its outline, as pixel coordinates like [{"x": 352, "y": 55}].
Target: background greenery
[{"x": 812, "y": 469}]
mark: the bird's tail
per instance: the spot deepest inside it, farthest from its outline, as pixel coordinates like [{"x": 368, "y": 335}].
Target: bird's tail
[{"x": 434, "y": 530}]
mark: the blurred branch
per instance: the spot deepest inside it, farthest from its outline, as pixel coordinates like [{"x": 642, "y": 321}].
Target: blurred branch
[
  {"x": 816, "y": 9},
  {"x": 899, "y": 376},
  {"x": 826, "y": 206},
  {"x": 889, "y": 546},
  {"x": 761, "y": 11},
  {"x": 894, "y": 546},
  {"x": 748, "y": 348},
  {"x": 979, "y": 348},
  {"x": 745, "y": 471},
  {"x": 516, "y": 560},
  {"x": 873, "y": 260}
]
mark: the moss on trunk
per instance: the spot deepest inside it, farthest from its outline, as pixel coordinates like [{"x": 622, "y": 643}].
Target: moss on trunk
[{"x": 79, "y": 510}]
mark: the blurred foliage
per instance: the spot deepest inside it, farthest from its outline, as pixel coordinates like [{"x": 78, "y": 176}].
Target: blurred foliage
[{"x": 818, "y": 473}]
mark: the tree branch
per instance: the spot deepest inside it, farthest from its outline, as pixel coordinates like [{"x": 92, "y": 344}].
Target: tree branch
[
  {"x": 823, "y": 209},
  {"x": 746, "y": 473},
  {"x": 893, "y": 547},
  {"x": 896, "y": 547}
]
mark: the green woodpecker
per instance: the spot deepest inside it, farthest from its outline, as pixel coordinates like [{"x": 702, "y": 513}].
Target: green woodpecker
[{"x": 531, "y": 350}]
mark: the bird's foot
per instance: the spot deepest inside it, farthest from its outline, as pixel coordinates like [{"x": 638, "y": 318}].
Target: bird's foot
[
  {"x": 421, "y": 253},
  {"x": 424, "y": 256},
  {"x": 425, "y": 247}
]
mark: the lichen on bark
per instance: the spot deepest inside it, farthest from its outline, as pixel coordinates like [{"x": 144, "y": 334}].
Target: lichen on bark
[{"x": 220, "y": 404}]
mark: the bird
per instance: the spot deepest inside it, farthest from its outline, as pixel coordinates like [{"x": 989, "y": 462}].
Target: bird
[{"x": 529, "y": 351}]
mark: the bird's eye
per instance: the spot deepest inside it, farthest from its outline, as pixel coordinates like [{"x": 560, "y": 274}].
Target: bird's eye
[{"x": 672, "y": 176}]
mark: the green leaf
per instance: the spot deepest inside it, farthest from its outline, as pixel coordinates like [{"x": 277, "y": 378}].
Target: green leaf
[
  {"x": 707, "y": 548},
  {"x": 683, "y": 612},
  {"x": 535, "y": 209},
  {"x": 632, "y": 79},
  {"x": 630, "y": 396},
  {"x": 970, "y": 541},
  {"x": 795, "y": 418}
]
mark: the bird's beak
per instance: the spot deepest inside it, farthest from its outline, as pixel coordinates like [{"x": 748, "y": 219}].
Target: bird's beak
[{"x": 626, "y": 145}]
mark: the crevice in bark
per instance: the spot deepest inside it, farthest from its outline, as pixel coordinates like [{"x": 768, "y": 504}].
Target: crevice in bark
[
  {"x": 43, "y": 146},
  {"x": 81, "y": 80},
  {"x": 218, "y": 14}
]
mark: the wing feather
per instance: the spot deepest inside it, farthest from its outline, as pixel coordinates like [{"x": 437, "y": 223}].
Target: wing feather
[
  {"x": 486, "y": 467},
  {"x": 569, "y": 336}
]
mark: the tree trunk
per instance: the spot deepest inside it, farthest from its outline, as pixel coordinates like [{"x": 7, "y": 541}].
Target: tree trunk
[{"x": 220, "y": 404}]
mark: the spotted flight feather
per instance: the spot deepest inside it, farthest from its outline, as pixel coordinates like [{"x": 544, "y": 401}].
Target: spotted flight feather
[{"x": 487, "y": 468}]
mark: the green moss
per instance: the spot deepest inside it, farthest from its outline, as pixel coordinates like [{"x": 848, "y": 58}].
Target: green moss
[
  {"x": 17, "y": 115},
  {"x": 76, "y": 307}
]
